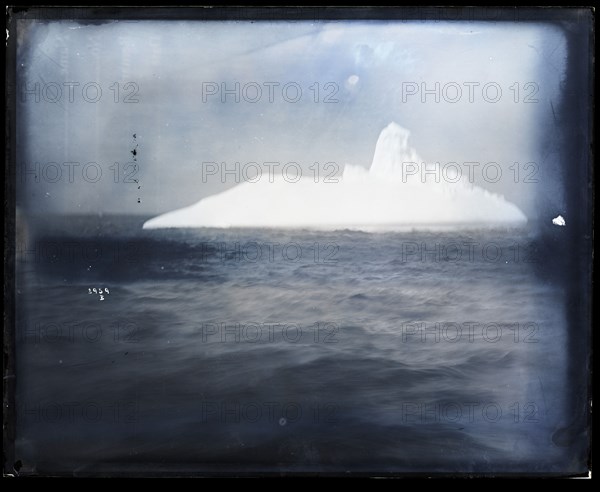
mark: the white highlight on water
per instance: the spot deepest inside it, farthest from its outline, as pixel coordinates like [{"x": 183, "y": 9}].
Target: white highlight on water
[{"x": 559, "y": 221}]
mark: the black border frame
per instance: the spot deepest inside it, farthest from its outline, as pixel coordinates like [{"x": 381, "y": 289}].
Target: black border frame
[{"x": 577, "y": 127}]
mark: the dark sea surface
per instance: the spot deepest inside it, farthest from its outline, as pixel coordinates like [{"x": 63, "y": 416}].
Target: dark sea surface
[{"x": 245, "y": 350}]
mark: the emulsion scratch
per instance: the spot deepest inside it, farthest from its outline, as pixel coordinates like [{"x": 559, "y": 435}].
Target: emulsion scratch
[{"x": 134, "y": 153}]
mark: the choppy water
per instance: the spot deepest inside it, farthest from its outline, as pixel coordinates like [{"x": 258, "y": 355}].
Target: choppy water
[{"x": 280, "y": 350}]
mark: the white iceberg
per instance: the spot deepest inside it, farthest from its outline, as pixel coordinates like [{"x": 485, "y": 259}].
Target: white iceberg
[{"x": 386, "y": 197}]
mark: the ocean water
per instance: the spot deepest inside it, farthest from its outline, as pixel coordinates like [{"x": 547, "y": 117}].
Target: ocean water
[{"x": 270, "y": 350}]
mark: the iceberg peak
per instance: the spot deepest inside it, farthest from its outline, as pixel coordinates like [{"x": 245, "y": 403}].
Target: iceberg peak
[{"x": 392, "y": 150}]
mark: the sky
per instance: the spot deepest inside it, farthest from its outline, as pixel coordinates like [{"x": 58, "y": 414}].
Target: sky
[{"x": 162, "y": 95}]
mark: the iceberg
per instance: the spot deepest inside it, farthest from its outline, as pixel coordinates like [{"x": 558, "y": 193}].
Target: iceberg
[{"x": 389, "y": 196}]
